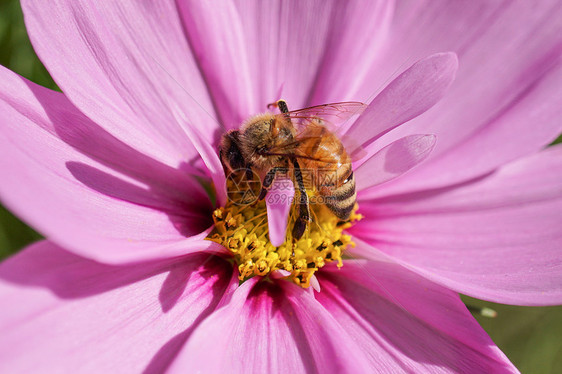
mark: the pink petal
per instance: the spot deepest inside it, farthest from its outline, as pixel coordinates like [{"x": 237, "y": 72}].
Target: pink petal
[
  {"x": 394, "y": 160},
  {"x": 405, "y": 323},
  {"x": 305, "y": 48},
  {"x": 215, "y": 35},
  {"x": 505, "y": 102},
  {"x": 85, "y": 189},
  {"x": 495, "y": 238},
  {"x": 270, "y": 327},
  {"x": 126, "y": 67},
  {"x": 409, "y": 95},
  {"x": 357, "y": 37},
  {"x": 531, "y": 122},
  {"x": 279, "y": 200},
  {"x": 63, "y": 313},
  {"x": 209, "y": 157}
]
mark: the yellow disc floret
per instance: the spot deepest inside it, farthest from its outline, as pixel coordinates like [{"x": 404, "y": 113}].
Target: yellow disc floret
[{"x": 242, "y": 228}]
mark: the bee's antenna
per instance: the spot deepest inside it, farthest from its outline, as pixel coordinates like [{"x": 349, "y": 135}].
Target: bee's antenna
[{"x": 281, "y": 104}]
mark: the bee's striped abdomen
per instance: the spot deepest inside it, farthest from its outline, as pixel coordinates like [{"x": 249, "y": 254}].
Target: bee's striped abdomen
[{"x": 342, "y": 199}]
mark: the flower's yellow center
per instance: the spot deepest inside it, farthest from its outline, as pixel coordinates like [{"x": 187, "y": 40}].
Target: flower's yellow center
[{"x": 241, "y": 227}]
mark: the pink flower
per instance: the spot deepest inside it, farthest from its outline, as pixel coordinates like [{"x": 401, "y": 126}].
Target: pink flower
[{"x": 110, "y": 172}]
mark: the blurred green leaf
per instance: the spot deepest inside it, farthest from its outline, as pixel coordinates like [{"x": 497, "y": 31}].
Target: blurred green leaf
[
  {"x": 530, "y": 336},
  {"x": 14, "y": 234},
  {"x": 16, "y": 52}
]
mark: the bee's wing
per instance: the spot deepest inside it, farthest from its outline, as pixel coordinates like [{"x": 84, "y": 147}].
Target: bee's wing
[{"x": 336, "y": 117}]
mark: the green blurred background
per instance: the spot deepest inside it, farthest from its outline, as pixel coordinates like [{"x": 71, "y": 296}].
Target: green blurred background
[{"x": 531, "y": 337}]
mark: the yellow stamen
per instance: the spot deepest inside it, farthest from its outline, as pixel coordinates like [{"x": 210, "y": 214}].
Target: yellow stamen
[{"x": 242, "y": 228}]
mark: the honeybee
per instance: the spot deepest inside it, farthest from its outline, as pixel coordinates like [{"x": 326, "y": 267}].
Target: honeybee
[{"x": 299, "y": 140}]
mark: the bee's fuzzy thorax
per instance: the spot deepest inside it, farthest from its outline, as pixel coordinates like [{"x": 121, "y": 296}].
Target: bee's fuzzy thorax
[{"x": 258, "y": 135}]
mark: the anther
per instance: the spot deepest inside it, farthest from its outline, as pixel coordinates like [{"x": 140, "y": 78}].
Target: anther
[
  {"x": 323, "y": 246},
  {"x": 262, "y": 267},
  {"x": 231, "y": 223},
  {"x": 217, "y": 214},
  {"x": 243, "y": 230}
]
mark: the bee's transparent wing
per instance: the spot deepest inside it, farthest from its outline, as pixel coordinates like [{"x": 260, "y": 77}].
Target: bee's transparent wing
[{"x": 335, "y": 117}]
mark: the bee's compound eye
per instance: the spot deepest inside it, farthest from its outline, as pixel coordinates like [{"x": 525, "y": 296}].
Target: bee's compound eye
[{"x": 348, "y": 179}]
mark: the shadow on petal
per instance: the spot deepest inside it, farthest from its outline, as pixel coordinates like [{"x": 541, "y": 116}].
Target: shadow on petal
[
  {"x": 172, "y": 190},
  {"x": 188, "y": 220}
]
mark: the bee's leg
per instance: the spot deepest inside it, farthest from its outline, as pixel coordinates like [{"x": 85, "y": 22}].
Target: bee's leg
[
  {"x": 303, "y": 219},
  {"x": 282, "y": 105},
  {"x": 268, "y": 180}
]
